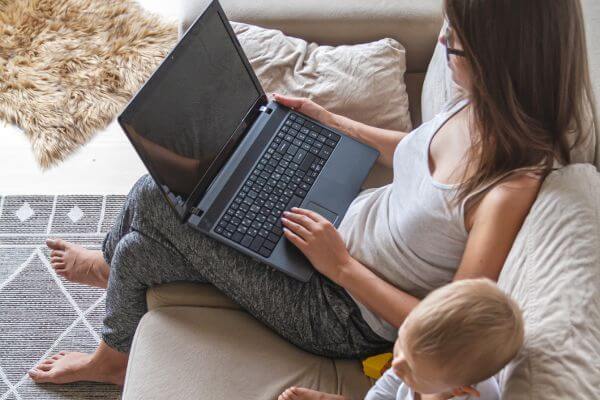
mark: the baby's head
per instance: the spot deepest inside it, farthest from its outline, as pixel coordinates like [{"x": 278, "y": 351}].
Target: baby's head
[{"x": 459, "y": 335}]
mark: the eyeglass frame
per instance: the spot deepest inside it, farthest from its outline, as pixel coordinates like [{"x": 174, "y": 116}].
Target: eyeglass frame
[{"x": 451, "y": 50}]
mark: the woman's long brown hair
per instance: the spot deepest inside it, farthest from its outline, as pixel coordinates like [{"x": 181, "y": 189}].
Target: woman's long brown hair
[{"x": 530, "y": 93}]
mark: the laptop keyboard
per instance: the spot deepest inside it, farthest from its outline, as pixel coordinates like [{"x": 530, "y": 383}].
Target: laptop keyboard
[{"x": 279, "y": 181}]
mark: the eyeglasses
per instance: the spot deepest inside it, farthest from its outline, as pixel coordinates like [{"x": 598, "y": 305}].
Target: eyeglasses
[{"x": 449, "y": 39}]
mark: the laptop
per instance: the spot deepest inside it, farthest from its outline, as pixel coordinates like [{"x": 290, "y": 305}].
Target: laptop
[{"x": 228, "y": 160}]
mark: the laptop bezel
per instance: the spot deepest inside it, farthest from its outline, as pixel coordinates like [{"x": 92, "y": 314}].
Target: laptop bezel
[{"x": 183, "y": 209}]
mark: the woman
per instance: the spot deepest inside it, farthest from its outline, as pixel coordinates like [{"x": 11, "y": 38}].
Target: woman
[{"x": 463, "y": 184}]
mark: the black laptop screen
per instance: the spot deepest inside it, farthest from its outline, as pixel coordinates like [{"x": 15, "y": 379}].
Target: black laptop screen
[{"x": 189, "y": 109}]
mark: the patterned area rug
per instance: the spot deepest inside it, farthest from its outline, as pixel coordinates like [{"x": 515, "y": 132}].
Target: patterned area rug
[{"x": 40, "y": 312}]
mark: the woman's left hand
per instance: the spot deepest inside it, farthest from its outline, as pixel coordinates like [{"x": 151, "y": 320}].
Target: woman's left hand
[{"x": 318, "y": 239}]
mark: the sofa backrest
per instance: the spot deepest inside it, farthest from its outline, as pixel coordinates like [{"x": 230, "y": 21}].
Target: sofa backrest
[{"x": 415, "y": 24}]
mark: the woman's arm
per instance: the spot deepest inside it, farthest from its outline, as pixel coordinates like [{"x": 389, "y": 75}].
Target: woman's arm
[
  {"x": 383, "y": 140},
  {"x": 322, "y": 244},
  {"x": 495, "y": 224}
]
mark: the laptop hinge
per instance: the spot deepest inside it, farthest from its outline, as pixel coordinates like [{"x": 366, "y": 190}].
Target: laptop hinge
[{"x": 196, "y": 211}]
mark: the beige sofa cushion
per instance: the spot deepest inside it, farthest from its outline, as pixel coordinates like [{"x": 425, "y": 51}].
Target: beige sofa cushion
[
  {"x": 553, "y": 271},
  {"x": 208, "y": 353}
]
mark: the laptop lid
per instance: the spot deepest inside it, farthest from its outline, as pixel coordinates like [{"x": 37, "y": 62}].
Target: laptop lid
[{"x": 191, "y": 114}]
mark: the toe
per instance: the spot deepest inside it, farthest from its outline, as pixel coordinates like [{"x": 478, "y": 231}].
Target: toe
[
  {"x": 38, "y": 375},
  {"x": 57, "y": 260},
  {"x": 44, "y": 367},
  {"x": 59, "y": 266},
  {"x": 47, "y": 361},
  {"x": 56, "y": 244},
  {"x": 57, "y": 253}
]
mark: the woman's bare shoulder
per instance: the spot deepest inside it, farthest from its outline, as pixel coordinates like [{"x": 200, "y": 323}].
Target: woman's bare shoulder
[{"x": 513, "y": 196}]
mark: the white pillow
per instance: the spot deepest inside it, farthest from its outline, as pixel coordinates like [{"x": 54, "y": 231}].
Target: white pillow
[
  {"x": 364, "y": 82},
  {"x": 553, "y": 272},
  {"x": 438, "y": 86}
]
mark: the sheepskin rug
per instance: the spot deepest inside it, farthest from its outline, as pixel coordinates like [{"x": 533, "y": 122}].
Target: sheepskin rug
[{"x": 67, "y": 67}]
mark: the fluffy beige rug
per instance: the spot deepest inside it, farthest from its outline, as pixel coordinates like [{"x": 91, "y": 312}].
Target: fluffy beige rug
[{"x": 67, "y": 67}]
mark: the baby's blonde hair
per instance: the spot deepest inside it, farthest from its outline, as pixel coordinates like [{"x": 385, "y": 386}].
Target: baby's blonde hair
[{"x": 469, "y": 327}]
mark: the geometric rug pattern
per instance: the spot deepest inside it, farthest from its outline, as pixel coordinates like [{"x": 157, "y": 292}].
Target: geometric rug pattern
[{"x": 40, "y": 312}]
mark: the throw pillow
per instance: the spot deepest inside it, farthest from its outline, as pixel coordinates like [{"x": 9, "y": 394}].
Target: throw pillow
[{"x": 364, "y": 82}]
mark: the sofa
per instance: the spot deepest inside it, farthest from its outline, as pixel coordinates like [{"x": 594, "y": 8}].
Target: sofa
[{"x": 195, "y": 343}]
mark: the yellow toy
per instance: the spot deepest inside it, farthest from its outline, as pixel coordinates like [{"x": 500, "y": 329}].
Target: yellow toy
[{"x": 375, "y": 366}]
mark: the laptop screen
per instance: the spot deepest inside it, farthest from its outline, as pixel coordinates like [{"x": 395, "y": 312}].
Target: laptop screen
[{"x": 189, "y": 109}]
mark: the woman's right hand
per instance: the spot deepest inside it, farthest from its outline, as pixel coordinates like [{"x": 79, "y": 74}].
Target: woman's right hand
[{"x": 307, "y": 107}]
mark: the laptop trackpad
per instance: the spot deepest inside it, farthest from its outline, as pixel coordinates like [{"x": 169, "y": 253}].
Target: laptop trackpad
[{"x": 330, "y": 215}]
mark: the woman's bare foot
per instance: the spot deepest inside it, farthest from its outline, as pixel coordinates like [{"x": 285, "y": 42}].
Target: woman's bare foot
[
  {"x": 106, "y": 365},
  {"x": 296, "y": 393},
  {"x": 78, "y": 264}
]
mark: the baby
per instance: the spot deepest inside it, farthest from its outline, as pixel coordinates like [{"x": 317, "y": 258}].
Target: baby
[{"x": 450, "y": 345}]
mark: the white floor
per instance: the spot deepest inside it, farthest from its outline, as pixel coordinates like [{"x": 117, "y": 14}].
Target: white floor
[{"x": 106, "y": 165}]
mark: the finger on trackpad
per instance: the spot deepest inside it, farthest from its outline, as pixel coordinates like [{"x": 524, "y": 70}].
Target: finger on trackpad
[{"x": 330, "y": 215}]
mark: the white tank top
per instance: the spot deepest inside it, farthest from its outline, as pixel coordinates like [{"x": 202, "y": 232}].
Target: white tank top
[{"x": 409, "y": 232}]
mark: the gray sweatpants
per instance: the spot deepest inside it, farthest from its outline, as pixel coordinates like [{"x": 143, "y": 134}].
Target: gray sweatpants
[{"x": 148, "y": 246}]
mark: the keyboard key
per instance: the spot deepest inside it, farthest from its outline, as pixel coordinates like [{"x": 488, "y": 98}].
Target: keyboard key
[
  {"x": 237, "y": 237},
  {"x": 282, "y": 148},
  {"x": 264, "y": 252},
  {"x": 296, "y": 126},
  {"x": 269, "y": 245},
  {"x": 292, "y": 150},
  {"x": 230, "y": 228},
  {"x": 256, "y": 225},
  {"x": 263, "y": 232},
  {"x": 295, "y": 202},
  {"x": 300, "y": 120},
  {"x": 273, "y": 237},
  {"x": 246, "y": 241},
  {"x": 256, "y": 243},
  {"x": 308, "y": 160},
  {"x": 333, "y": 136}
]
